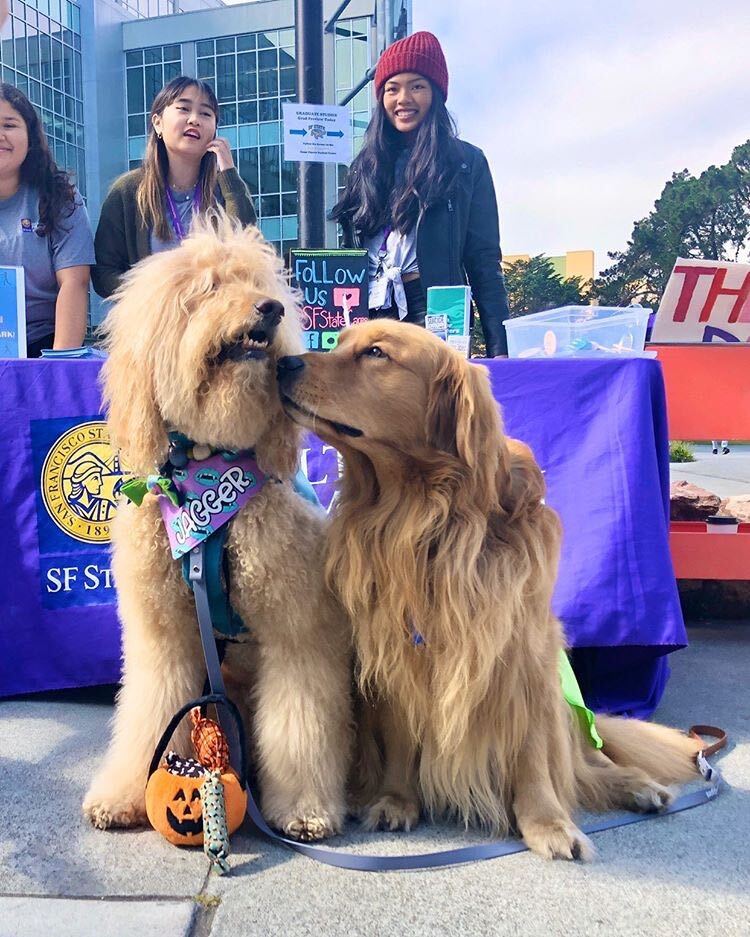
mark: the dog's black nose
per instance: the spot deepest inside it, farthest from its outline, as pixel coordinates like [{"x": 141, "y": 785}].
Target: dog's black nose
[
  {"x": 271, "y": 310},
  {"x": 288, "y": 369}
]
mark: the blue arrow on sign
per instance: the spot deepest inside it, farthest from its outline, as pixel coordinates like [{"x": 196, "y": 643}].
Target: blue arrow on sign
[
  {"x": 298, "y": 133},
  {"x": 335, "y": 133}
]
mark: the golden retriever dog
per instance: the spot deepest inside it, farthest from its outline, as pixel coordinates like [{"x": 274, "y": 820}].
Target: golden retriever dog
[
  {"x": 193, "y": 344},
  {"x": 445, "y": 556}
]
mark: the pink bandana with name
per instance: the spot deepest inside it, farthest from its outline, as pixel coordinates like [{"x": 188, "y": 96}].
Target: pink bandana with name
[{"x": 212, "y": 491}]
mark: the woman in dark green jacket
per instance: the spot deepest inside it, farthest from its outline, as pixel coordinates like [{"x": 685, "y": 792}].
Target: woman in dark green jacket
[{"x": 187, "y": 170}]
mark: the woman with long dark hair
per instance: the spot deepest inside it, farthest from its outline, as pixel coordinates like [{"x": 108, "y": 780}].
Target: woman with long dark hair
[
  {"x": 43, "y": 228},
  {"x": 186, "y": 171},
  {"x": 420, "y": 199}
]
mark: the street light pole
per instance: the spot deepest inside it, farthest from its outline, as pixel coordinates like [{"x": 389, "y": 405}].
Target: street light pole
[{"x": 308, "y": 30}]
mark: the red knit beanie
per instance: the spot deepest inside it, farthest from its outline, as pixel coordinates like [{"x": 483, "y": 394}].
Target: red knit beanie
[{"x": 419, "y": 53}]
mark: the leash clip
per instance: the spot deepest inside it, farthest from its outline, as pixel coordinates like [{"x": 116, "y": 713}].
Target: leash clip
[{"x": 704, "y": 767}]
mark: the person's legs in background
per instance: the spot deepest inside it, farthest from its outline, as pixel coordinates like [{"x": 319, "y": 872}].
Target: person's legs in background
[{"x": 724, "y": 446}]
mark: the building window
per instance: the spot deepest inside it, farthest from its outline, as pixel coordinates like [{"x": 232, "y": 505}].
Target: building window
[
  {"x": 145, "y": 8},
  {"x": 353, "y": 57},
  {"x": 40, "y": 53},
  {"x": 252, "y": 75},
  {"x": 148, "y": 70}
]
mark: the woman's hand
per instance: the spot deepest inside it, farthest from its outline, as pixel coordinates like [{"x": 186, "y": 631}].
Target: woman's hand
[{"x": 221, "y": 148}]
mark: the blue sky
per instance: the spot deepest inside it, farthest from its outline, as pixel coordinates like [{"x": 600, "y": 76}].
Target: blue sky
[{"x": 585, "y": 109}]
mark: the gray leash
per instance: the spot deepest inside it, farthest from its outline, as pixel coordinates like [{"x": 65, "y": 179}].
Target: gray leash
[{"x": 428, "y": 860}]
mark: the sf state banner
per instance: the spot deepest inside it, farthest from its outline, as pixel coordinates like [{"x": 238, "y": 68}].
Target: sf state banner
[{"x": 333, "y": 284}]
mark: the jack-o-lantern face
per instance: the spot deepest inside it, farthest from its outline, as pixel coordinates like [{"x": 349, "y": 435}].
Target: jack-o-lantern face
[
  {"x": 185, "y": 813},
  {"x": 174, "y": 806}
]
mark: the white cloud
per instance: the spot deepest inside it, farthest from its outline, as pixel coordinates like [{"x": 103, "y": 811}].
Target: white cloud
[{"x": 585, "y": 110}]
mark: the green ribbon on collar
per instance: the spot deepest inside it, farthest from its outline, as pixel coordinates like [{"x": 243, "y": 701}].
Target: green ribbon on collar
[
  {"x": 574, "y": 699},
  {"x": 136, "y": 489}
]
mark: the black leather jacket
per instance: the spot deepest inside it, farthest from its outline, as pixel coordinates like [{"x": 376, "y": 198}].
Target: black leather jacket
[{"x": 458, "y": 240}]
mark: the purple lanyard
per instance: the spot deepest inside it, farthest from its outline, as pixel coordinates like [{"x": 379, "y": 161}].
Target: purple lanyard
[
  {"x": 383, "y": 251},
  {"x": 174, "y": 215}
]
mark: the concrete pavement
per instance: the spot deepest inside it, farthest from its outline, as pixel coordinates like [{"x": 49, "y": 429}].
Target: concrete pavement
[
  {"x": 668, "y": 876},
  {"x": 724, "y": 475}
]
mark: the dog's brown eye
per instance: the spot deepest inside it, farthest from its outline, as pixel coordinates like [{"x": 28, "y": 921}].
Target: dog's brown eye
[{"x": 374, "y": 352}]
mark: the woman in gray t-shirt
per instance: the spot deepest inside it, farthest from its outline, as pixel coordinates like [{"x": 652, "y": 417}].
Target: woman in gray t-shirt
[{"x": 43, "y": 228}]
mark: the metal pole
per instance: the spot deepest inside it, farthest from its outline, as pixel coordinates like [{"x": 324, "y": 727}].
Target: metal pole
[
  {"x": 331, "y": 24},
  {"x": 379, "y": 27},
  {"x": 388, "y": 25},
  {"x": 308, "y": 29},
  {"x": 367, "y": 77}
]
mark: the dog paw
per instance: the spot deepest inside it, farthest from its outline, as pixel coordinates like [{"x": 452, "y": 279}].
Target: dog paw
[
  {"x": 650, "y": 798},
  {"x": 559, "y": 839},
  {"x": 309, "y": 828},
  {"x": 105, "y": 814},
  {"x": 391, "y": 812}
]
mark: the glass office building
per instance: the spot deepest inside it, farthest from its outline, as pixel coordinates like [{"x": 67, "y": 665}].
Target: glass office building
[
  {"x": 253, "y": 74},
  {"x": 93, "y": 67},
  {"x": 40, "y": 51}
]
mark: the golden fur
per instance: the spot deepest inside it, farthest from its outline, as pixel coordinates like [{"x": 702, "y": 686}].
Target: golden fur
[
  {"x": 441, "y": 529},
  {"x": 171, "y": 317}
]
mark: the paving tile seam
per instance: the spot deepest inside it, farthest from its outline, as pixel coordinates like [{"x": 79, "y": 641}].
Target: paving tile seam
[
  {"x": 202, "y": 920},
  {"x": 176, "y": 899}
]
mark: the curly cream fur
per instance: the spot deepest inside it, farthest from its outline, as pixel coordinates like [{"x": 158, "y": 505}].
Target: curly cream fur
[
  {"x": 441, "y": 529},
  {"x": 291, "y": 670}
]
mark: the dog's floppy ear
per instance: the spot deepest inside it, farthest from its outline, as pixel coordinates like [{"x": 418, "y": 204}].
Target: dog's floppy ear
[
  {"x": 525, "y": 489},
  {"x": 462, "y": 415},
  {"x": 135, "y": 424}
]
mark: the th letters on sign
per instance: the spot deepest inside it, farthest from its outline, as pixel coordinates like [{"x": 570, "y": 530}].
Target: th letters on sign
[{"x": 705, "y": 301}]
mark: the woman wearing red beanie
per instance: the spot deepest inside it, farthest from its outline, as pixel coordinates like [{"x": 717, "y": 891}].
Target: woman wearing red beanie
[{"x": 421, "y": 200}]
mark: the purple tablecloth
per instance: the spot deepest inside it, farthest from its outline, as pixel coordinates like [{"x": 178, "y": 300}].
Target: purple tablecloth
[{"x": 597, "y": 427}]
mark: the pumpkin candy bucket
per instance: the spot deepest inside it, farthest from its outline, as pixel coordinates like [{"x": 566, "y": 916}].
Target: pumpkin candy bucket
[{"x": 199, "y": 801}]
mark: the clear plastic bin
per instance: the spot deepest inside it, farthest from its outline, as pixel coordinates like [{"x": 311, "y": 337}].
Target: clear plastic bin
[{"x": 579, "y": 332}]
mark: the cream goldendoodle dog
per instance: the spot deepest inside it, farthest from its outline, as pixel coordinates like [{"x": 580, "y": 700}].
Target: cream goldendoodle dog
[{"x": 193, "y": 342}]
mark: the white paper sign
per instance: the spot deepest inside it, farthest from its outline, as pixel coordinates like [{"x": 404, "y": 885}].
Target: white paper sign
[
  {"x": 317, "y": 133},
  {"x": 705, "y": 301}
]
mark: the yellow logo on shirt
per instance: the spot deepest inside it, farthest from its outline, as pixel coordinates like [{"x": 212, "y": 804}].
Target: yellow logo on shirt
[{"x": 81, "y": 481}]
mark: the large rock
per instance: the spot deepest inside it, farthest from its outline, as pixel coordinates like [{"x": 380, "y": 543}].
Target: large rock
[
  {"x": 737, "y": 506},
  {"x": 688, "y": 502}
]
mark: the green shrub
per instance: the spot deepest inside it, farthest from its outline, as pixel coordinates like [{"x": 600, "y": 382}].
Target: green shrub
[{"x": 680, "y": 452}]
